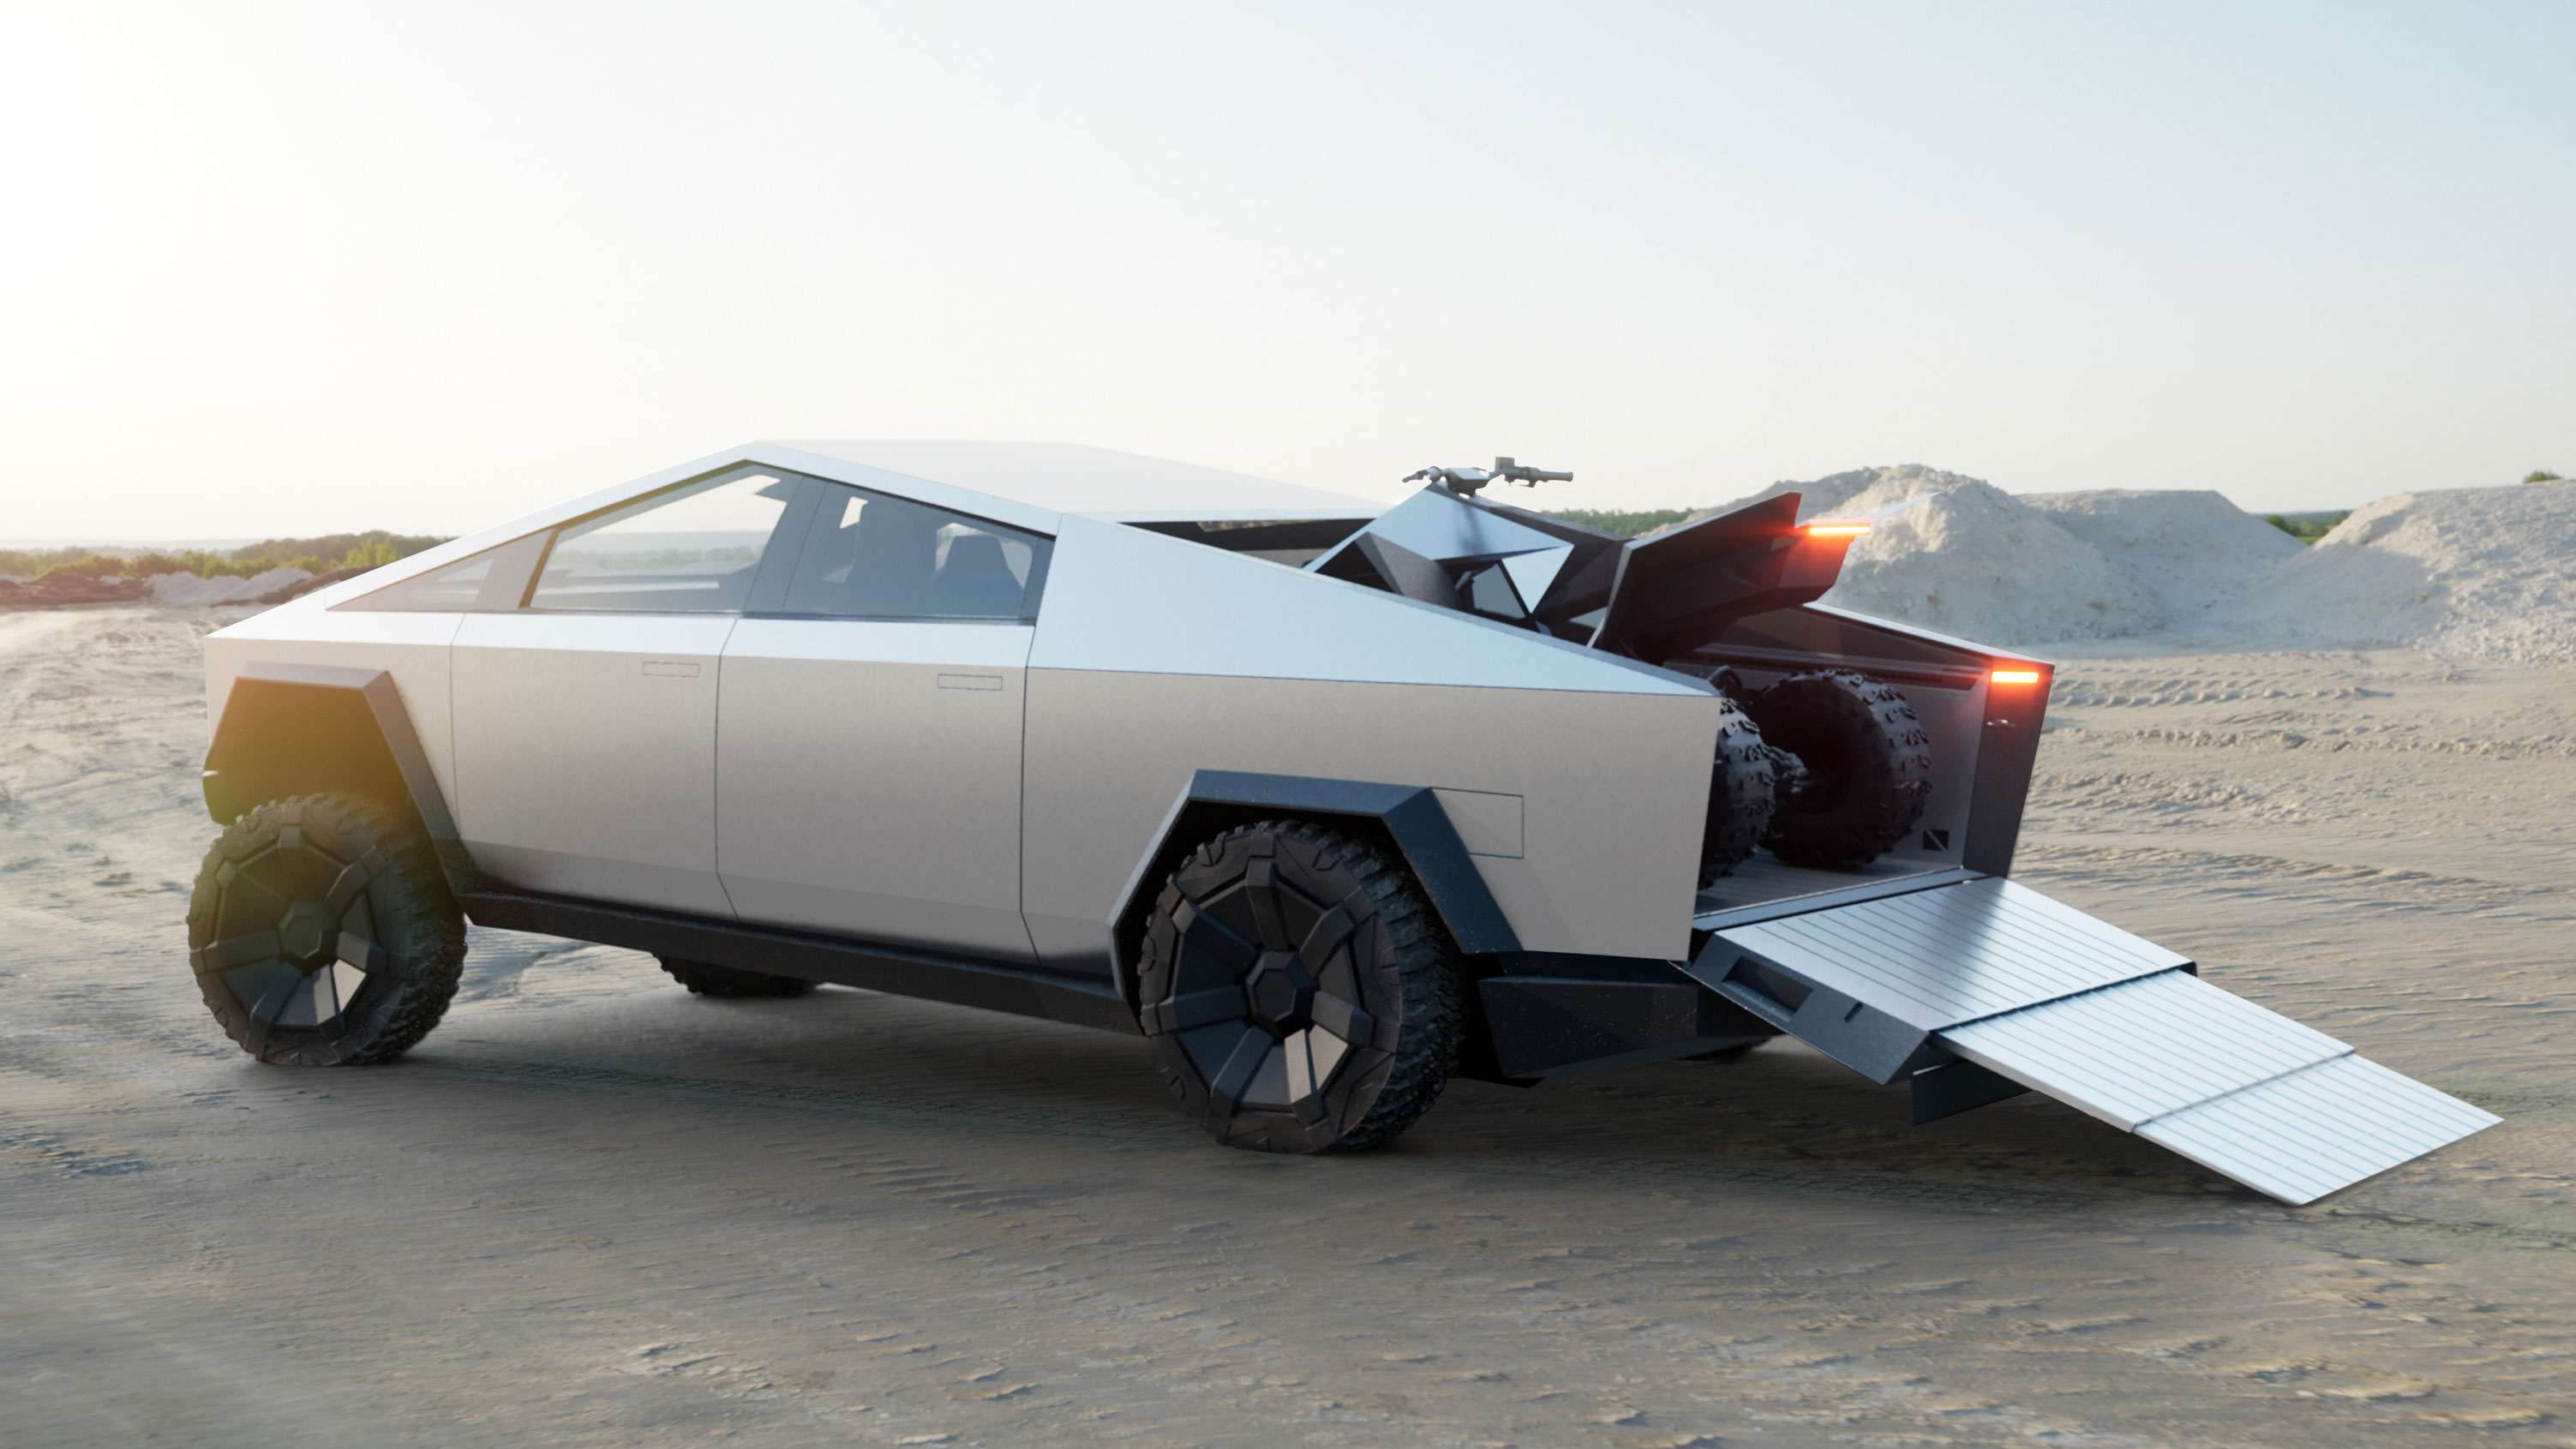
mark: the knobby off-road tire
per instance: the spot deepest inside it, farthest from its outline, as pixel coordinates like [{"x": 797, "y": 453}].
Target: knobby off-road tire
[
  {"x": 1299, "y": 991},
  {"x": 708, "y": 979},
  {"x": 1741, "y": 791},
  {"x": 1864, "y": 767},
  {"x": 322, "y": 933}
]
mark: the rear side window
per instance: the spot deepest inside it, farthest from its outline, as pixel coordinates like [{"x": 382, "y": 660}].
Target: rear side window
[
  {"x": 870, "y": 556},
  {"x": 496, "y": 578},
  {"x": 693, "y": 549}
]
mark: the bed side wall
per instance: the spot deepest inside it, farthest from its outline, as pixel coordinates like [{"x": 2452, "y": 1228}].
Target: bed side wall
[{"x": 1582, "y": 811}]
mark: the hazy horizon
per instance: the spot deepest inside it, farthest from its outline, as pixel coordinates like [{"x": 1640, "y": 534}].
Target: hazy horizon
[
  {"x": 286, "y": 270},
  {"x": 231, "y": 541}
]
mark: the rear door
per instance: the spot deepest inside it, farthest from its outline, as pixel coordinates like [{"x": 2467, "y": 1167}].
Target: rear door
[
  {"x": 585, "y": 717},
  {"x": 870, "y": 709}
]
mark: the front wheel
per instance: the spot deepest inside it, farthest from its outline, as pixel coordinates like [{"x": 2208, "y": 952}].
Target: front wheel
[
  {"x": 322, "y": 932},
  {"x": 1300, "y": 993}
]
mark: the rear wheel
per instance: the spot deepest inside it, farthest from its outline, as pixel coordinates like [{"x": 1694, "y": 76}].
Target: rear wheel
[
  {"x": 322, "y": 932},
  {"x": 1299, "y": 992},
  {"x": 1741, "y": 787},
  {"x": 707, "y": 979},
  {"x": 1864, "y": 767}
]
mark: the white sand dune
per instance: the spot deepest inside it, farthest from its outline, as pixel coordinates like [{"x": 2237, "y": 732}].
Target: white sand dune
[
  {"x": 1976, "y": 561},
  {"x": 189, "y": 591},
  {"x": 2486, "y": 573},
  {"x": 2471, "y": 573}
]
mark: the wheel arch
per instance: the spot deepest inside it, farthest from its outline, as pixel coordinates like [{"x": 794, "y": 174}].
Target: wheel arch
[
  {"x": 305, "y": 729},
  {"x": 1406, "y": 819}
]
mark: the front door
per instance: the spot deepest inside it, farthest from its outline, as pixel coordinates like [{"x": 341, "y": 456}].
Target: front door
[
  {"x": 585, "y": 718},
  {"x": 868, "y": 741}
]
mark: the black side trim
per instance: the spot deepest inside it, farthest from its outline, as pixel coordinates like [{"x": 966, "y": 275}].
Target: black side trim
[
  {"x": 1871, "y": 1042},
  {"x": 304, "y": 729},
  {"x": 903, "y": 972},
  {"x": 1946, "y": 1089},
  {"x": 1556, "y": 1028}
]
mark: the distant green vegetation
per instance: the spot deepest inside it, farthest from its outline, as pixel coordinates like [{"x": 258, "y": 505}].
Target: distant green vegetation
[
  {"x": 2541, "y": 475},
  {"x": 660, "y": 560},
  {"x": 1626, "y": 525},
  {"x": 313, "y": 555},
  {"x": 2307, "y": 527}
]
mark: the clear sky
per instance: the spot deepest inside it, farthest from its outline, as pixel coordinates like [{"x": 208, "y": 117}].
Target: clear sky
[{"x": 293, "y": 268}]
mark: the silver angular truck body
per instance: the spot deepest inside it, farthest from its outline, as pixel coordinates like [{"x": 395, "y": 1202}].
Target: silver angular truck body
[{"x": 955, "y": 720}]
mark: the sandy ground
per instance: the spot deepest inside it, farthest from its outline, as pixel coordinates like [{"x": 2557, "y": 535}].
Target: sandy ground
[{"x": 593, "y": 1210}]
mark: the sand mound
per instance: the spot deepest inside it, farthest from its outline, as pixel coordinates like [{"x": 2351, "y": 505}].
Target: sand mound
[
  {"x": 2472, "y": 572},
  {"x": 1981, "y": 563},
  {"x": 189, "y": 591},
  {"x": 2188, "y": 550}
]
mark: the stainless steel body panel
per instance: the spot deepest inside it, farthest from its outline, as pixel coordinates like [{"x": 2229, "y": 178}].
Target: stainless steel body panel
[
  {"x": 868, "y": 779},
  {"x": 1607, "y": 859},
  {"x": 1229, "y": 663},
  {"x": 586, "y": 754},
  {"x": 1124, "y": 599},
  {"x": 413, "y": 648}
]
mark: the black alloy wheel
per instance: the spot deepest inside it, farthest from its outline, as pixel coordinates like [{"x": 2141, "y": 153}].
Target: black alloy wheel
[
  {"x": 1863, "y": 770},
  {"x": 322, "y": 933},
  {"x": 1300, "y": 992}
]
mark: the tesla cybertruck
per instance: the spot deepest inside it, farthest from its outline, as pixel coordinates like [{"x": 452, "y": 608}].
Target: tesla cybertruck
[{"x": 1328, "y": 800}]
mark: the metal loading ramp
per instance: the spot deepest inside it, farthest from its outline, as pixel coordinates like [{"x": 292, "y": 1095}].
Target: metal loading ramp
[{"x": 1977, "y": 990}]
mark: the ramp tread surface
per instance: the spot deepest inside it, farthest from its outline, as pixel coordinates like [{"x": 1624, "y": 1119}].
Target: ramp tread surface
[
  {"x": 2274, "y": 1104},
  {"x": 1936, "y": 958},
  {"x": 2136, "y": 1051},
  {"x": 2321, "y": 1128}
]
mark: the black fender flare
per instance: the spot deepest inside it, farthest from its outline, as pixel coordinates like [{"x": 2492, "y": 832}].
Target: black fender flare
[
  {"x": 1406, "y": 818},
  {"x": 306, "y": 729}
]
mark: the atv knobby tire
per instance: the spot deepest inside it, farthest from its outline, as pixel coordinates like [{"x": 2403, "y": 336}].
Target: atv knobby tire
[
  {"x": 1864, "y": 767},
  {"x": 1299, "y": 991},
  {"x": 322, "y": 933},
  {"x": 1741, "y": 788},
  {"x": 707, "y": 979}
]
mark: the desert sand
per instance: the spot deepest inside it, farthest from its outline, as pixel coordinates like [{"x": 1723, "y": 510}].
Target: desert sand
[{"x": 594, "y": 1210}]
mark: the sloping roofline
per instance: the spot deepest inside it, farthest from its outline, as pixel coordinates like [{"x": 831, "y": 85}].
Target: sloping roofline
[
  {"x": 1027, "y": 485},
  {"x": 1092, "y": 482}
]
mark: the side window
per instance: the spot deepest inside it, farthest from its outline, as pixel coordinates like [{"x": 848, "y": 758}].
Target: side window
[
  {"x": 496, "y": 578},
  {"x": 869, "y": 556},
  {"x": 686, "y": 550}
]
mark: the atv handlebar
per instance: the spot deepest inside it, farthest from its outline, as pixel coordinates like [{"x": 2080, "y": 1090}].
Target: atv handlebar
[{"x": 1465, "y": 481}]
